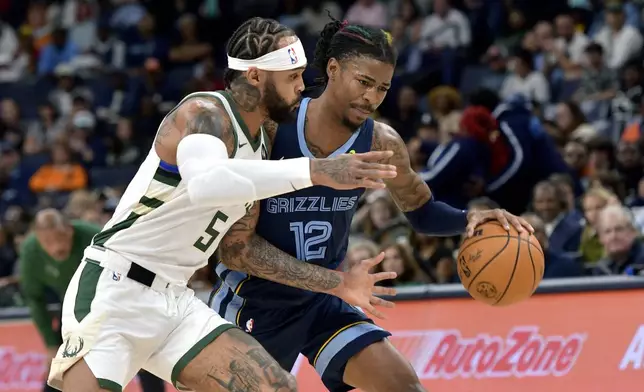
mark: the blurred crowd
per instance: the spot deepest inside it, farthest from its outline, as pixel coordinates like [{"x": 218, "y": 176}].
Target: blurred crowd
[{"x": 532, "y": 106}]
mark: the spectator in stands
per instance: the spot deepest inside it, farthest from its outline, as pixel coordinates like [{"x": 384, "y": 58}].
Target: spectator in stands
[
  {"x": 9, "y": 47},
  {"x": 377, "y": 215},
  {"x": 61, "y": 50},
  {"x": 593, "y": 202},
  {"x": 399, "y": 259},
  {"x": 112, "y": 100},
  {"x": 569, "y": 46},
  {"x": 565, "y": 185},
  {"x": 9, "y": 161},
  {"x": 408, "y": 114},
  {"x": 190, "y": 49},
  {"x": 517, "y": 29},
  {"x": 576, "y": 157},
  {"x": 123, "y": 150},
  {"x": 557, "y": 264},
  {"x": 633, "y": 131},
  {"x": 142, "y": 43},
  {"x": 431, "y": 253},
  {"x": 61, "y": 175},
  {"x": 524, "y": 80},
  {"x": 496, "y": 59},
  {"x": 82, "y": 24},
  {"x": 466, "y": 157},
  {"x": 108, "y": 48},
  {"x": 601, "y": 155},
  {"x": 368, "y": 13},
  {"x": 626, "y": 104},
  {"x": 571, "y": 122},
  {"x": 315, "y": 15},
  {"x": 611, "y": 180},
  {"x": 443, "y": 101},
  {"x": 37, "y": 26},
  {"x": 83, "y": 141},
  {"x": 544, "y": 58},
  {"x": 8, "y": 255},
  {"x": 444, "y": 36},
  {"x": 359, "y": 249},
  {"x": 636, "y": 204},
  {"x": 48, "y": 259},
  {"x": 562, "y": 228},
  {"x": 79, "y": 203},
  {"x": 68, "y": 88},
  {"x": 619, "y": 236},
  {"x": 598, "y": 82},
  {"x": 12, "y": 128},
  {"x": 523, "y": 152},
  {"x": 48, "y": 128},
  {"x": 629, "y": 165},
  {"x": 620, "y": 41}
]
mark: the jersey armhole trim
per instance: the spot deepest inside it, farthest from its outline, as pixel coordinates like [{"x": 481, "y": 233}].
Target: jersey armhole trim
[{"x": 169, "y": 167}]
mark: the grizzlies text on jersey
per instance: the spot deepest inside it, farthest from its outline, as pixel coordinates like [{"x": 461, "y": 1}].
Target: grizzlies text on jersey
[{"x": 312, "y": 225}]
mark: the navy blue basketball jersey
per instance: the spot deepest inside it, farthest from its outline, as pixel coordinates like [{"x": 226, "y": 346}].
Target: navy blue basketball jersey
[{"x": 311, "y": 224}]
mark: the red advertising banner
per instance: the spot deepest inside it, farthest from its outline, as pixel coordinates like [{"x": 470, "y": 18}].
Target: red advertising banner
[
  {"x": 591, "y": 342},
  {"x": 564, "y": 342}
]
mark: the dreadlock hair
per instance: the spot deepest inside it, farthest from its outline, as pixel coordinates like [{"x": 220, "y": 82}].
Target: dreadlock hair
[
  {"x": 253, "y": 39},
  {"x": 341, "y": 41}
]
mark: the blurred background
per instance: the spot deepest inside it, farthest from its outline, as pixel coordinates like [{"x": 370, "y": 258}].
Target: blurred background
[{"x": 85, "y": 83}]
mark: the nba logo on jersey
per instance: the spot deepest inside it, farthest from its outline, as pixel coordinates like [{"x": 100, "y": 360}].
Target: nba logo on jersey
[
  {"x": 292, "y": 55},
  {"x": 116, "y": 276},
  {"x": 249, "y": 325}
]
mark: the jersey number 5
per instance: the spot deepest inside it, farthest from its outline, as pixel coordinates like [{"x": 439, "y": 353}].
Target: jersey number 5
[
  {"x": 205, "y": 242},
  {"x": 309, "y": 237}
]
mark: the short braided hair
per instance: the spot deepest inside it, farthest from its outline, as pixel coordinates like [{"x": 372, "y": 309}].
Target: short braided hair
[
  {"x": 253, "y": 39},
  {"x": 340, "y": 40}
]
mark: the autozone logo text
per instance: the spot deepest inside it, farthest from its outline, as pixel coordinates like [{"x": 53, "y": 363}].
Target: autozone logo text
[
  {"x": 445, "y": 354},
  {"x": 21, "y": 371}
]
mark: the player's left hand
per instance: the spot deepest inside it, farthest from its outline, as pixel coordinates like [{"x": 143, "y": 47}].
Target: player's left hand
[
  {"x": 359, "y": 286},
  {"x": 476, "y": 217}
]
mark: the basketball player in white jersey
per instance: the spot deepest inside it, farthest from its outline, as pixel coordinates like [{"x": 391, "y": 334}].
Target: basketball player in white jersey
[{"x": 127, "y": 307}]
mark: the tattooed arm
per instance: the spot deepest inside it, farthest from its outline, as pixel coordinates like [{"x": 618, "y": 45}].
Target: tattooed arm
[
  {"x": 408, "y": 189},
  {"x": 198, "y": 115},
  {"x": 243, "y": 250},
  {"x": 411, "y": 193}
]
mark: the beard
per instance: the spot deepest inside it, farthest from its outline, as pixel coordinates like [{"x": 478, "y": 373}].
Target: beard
[
  {"x": 279, "y": 110},
  {"x": 351, "y": 124}
]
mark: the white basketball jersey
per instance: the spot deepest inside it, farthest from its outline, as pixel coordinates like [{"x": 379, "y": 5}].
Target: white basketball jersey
[{"x": 156, "y": 226}]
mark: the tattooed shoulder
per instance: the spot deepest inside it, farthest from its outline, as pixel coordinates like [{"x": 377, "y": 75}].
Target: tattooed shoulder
[
  {"x": 408, "y": 189},
  {"x": 197, "y": 115},
  {"x": 385, "y": 138}
]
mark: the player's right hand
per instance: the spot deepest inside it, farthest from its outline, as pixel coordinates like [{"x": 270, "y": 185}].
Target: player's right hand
[
  {"x": 350, "y": 171},
  {"x": 359, "y": 288}
]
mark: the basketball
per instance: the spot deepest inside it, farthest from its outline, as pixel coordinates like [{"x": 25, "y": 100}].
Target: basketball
[{"x": 500, "y": 267}]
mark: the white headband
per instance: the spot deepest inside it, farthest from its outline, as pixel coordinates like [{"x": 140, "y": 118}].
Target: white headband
[{"x": 284, "y": 59}]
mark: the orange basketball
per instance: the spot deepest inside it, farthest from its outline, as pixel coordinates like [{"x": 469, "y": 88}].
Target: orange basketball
[{"x": 500, "y": 267}]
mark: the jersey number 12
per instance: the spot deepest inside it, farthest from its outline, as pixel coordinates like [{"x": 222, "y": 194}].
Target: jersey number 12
[{"x": 309, "y": 238}]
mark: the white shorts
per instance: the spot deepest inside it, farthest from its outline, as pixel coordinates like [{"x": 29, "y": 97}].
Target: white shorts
[{"x": 120, "y": 326}]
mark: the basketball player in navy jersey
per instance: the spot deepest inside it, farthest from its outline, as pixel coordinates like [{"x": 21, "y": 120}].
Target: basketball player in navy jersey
[{"x": 278, "y": 268}]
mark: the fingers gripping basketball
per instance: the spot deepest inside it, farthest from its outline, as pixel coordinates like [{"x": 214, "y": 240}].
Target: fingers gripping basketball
[{"x": 500, "y": 267}]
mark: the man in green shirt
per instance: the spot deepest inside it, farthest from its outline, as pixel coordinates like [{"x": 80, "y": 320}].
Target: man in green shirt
[{"x": 49, "y": 256}]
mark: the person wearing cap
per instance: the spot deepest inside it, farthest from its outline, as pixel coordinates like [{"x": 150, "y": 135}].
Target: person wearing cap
[{"x": 621, "y": 42}]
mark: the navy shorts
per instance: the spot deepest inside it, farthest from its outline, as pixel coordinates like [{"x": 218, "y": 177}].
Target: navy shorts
[{"x": 327, "y": 330}]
